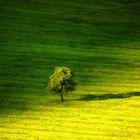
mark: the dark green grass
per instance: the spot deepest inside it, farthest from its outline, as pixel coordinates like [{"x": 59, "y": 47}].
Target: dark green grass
[
  {"x": 99, "y": 40},
  {"x": 88, "y": 36}
]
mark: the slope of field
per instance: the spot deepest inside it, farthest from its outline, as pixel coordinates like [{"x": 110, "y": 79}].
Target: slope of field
[{"x": 99, "y": 40}]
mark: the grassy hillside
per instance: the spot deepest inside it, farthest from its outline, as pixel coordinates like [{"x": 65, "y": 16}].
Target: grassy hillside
[{"x": 99, "y": 40}]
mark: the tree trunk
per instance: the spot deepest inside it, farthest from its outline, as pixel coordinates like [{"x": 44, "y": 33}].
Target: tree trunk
[{"x": 62, "y": 97}]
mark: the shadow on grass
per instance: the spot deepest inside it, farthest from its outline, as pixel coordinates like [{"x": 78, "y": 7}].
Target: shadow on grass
[{"x": 90, "y": 97}]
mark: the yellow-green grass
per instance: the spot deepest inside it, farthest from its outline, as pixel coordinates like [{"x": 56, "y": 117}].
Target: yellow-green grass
[
  {"x": 99, "y": 40},
  {"x": 92, "y": 116}
]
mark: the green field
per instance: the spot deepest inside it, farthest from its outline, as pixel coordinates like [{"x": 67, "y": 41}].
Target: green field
[{"x": 99, "y": 40}]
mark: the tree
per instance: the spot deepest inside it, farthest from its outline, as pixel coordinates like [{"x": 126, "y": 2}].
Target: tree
[{"x": 62, "y": 81}]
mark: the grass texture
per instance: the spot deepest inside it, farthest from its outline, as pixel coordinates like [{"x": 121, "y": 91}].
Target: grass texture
[{"x": 99, "y": 40}]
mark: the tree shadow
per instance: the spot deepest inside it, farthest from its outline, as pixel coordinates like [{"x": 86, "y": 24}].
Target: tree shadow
[{"x": 90, "y": 97}]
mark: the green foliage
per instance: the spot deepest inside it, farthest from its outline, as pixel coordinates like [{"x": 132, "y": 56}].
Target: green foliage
[{"x": 62, "y": 80}]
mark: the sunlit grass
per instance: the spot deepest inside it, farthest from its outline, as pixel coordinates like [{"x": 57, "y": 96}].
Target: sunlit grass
[{"x": 73, "y": 119}]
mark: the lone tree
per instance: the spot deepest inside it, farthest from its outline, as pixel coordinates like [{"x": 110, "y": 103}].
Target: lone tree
[{"x": 62, "y": 81}]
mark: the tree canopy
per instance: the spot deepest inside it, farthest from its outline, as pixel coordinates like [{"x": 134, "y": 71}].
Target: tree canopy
[{"x": 62, "y": 81}]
